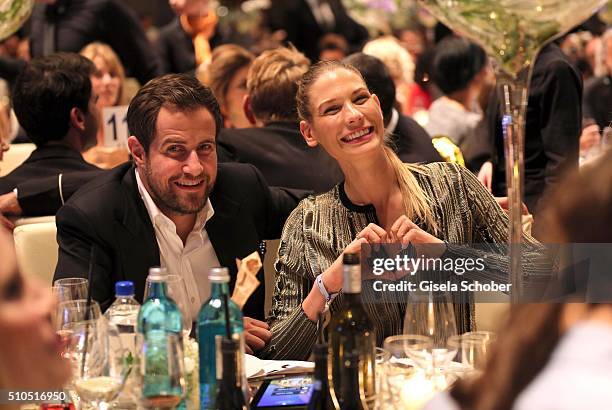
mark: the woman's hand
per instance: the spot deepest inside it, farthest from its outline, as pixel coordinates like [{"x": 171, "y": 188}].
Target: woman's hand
[
  {"x": 405, "y": 231},
  {"x": 256, "y": 334}
]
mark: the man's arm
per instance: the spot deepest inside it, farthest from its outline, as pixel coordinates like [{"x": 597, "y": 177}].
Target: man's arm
[{"x": 44, "y": 196}]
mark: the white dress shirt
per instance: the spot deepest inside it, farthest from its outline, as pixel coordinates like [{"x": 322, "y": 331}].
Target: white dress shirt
[
  {"x": 323, "y": 14},
  {"x": 191, "y": 261}
]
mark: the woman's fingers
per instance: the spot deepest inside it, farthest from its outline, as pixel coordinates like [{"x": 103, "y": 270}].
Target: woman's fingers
[{"x": 373, "y": 233}]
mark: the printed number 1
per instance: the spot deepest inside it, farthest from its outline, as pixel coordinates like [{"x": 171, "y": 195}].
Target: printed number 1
[{"x": 112, "y": 121}]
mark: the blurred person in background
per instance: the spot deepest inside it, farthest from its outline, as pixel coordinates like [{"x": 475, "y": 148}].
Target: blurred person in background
[
  {"x": 557, "y": 355},
  {"x": 227, "y": 76},
  {"x": 187, "y": 42},
  {"x": 305, "y": 22},
  {"x": 461, "y": 69},
  {"x": 107, "y": 82},
  {"x": 69, "y": 25},
  {"x": 404, "y": 135},
  {"x": 332, "y": 47},
  {"x": 274, "y": 144},
  {"x": 399, "y": 63},
  {"x": 30, "y": 350}
]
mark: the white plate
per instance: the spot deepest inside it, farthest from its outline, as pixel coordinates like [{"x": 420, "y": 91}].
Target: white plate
[{"x": 252, "y": 365}]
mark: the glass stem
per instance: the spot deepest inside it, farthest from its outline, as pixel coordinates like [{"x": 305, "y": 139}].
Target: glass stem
[{"x": 515, "y": 92}]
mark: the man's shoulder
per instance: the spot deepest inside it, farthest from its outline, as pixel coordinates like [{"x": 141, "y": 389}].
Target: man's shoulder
[{"x": 105, "y": 191}]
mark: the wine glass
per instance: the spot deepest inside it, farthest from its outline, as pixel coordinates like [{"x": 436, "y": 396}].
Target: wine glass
[
  {"x": 513, "y": 32},
  {"x": 431, "y": 314},
  {"x": 473, "y": 349},
  {"x": 99, "y": 361},
  {"x": 178, "y": 293},
  {"x": 161, "y": 371},
  {"x": 407, "y": 372},
  {"x": 77, "y": 287},
  {"x": 73, "y": 311}
]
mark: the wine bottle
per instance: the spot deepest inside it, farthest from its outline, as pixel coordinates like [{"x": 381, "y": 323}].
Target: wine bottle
[
  {"x": 352, "y": 393},
  {"x": 159, "y": 323},
  {"x": 229, "y": 394},
  {"x": 211, "y": 328},
  {"x": 351, "y": 330},
  {"x": 320, "y": 399}
]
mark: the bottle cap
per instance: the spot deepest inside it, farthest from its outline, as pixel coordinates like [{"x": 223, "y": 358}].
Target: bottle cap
[
  {"x": 124, "y": 288},
  {"x": 350, "y": 259},
  {"x": 219, "y": 275},
  {"x": 157, "y": 274}
]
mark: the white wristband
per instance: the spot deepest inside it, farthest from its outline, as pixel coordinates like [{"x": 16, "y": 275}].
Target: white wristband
[{"x": 328, "y": 297}]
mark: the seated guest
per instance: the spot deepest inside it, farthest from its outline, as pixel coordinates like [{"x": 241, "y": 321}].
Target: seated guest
[
  {"x": 460, "y": 71},
  {"x": 275, "y": 145},
  {"x": 30, "y": 351},
  {"x": 226, "y": 75},
  {"x": 54, "y": 103},
  {"x": 406, "y": 137},
  {"x": 173, "y": 207},
  {"x": 381, "y": 200},
  {"x": 107, "y": 81}
]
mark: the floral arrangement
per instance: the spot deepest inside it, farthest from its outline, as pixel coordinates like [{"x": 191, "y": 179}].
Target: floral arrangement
[
  {"x": 13, "y": 13},
  {"x": 192, "y": 374},
  {"x": 381, "y": 16}
]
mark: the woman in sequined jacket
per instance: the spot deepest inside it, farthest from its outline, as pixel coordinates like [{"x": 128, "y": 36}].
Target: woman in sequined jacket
[{"x": 381, "y": 200}]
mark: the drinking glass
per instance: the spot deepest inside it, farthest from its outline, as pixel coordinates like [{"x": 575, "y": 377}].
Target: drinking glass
[
  {"x": 73, "y": 311},
  {"x": 431, "y": 314},
  {"x": 77, "y": 287},
  {"x": 473, "y": 349},
  {"x": 407, "y": 382},
  {"x": 99, "y": 361},
  {"x": 178, "y": 293},
  {"x": 161, "y": 372},
  {"x": 382, "y": 357}
]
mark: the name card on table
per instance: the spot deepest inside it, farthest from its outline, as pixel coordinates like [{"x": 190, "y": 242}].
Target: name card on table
[{"x": 115, "y": 126}]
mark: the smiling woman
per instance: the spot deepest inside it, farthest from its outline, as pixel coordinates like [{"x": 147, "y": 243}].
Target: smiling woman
[
  {"x": 381, "y": 200},
  {"x": 29, "y": 348}
]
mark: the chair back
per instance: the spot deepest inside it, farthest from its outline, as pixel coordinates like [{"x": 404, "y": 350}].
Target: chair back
[
  {"x": 14, "y": 157},
  {"x": 36, "y": 248}
]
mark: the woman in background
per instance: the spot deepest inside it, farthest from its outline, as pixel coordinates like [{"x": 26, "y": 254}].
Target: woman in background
[{"x": 107, "y": 82}]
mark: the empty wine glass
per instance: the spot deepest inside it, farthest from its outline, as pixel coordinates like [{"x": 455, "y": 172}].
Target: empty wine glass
[
  {"x": 407, "y": 372},
  {"x": 73, "y": 311},
  {"x": 161, "y": 370},
  {"x": 473, "y": 349},
  {"x": 76, "y": 287},
  {"x": 178, "y": 293},
  {"x": 99, "y": 361}
]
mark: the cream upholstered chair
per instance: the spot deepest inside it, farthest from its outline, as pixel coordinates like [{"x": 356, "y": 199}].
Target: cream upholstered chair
[
  {"x": 18, "y": 221},
  {"x": 36, "y": 249},
  {"x": 14, "y": 157}
]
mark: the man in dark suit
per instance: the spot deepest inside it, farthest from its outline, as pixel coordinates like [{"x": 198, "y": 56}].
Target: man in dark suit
[
  {"x": 54, "y": 103},
  {"x": 306, "y": 21},
  {"x": 407, "y": 138},
  {"x": 275, "y": 145},
  {"x": 173, "y": 208}
]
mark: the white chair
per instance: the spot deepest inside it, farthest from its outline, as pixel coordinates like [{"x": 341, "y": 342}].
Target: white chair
[
  {"x": 14, "y": 157},
  {"x": 18, "y": 221},
  {"x": 36, "y": 249}
]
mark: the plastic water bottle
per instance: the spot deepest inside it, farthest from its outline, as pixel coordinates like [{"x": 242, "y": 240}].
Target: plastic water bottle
[
  {"x": 210, "y": 333},
  {"x": 123, "y": 313}
]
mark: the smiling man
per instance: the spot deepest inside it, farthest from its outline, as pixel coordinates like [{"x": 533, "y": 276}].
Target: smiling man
[{"x": 173, "y": 207}]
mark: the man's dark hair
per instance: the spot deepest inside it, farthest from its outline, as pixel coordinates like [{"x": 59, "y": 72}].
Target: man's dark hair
[
  {"x": 456, "y": 63},
  {"x": 47, "y": 90},
  {"x": 174, "y": 91},
  {"x": 377, "y": 79}
]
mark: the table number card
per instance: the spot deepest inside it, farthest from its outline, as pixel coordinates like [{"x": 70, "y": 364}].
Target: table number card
[{"x": 115, "y": 126}]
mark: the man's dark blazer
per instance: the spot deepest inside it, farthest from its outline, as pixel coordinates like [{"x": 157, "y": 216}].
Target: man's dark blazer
[
  {"x": 552, "y": 130},
  {"x": 303, "y": 31},
  {"x": 109, "y": 214},
  {"x": 44, "y": 161},
  {"x": 412, "y": 143},
  {"x": 279, "y": 151},
  {"x": 176, "y": 50}
]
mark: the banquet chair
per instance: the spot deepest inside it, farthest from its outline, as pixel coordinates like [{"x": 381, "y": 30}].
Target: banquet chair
[
  {"x": 36, "y": 249},
  {"x": 18, "y": 221},
  {"x": 14, "y": 157}
]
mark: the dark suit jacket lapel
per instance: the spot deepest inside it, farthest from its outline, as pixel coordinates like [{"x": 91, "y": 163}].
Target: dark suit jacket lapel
[{"x": 135, "y": 236}]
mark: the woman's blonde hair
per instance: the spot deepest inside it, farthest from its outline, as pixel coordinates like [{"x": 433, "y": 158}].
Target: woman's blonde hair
[
  {"x": 416, "y": 203},
  {"x": 397, "y": 59},
  {"x": 104, "y": 51}
]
